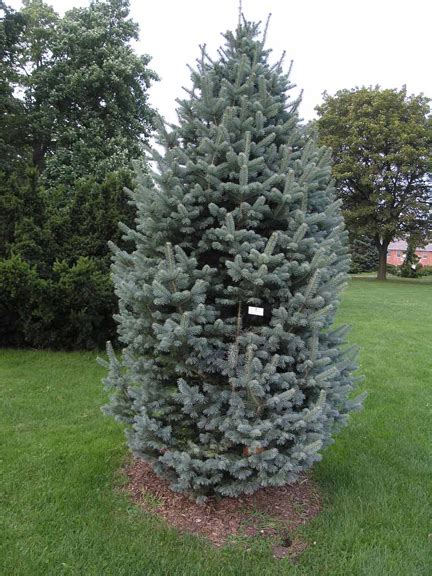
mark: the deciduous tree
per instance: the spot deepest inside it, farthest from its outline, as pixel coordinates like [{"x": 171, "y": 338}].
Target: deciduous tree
[
  {"x": 382, "y": 147},
  {"x": 85, "y": 90},
  {"x": 73, "y": 114}
]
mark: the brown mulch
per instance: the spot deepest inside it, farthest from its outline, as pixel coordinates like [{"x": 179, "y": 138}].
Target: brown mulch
[{"x": 272, "y": 513}]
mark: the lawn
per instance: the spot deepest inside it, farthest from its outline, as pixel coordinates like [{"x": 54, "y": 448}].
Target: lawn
[{"x": 64, "y": 515}]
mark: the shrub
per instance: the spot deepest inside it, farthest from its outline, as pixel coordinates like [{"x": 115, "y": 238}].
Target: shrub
[
  {"x": 424, "y": 271},
  {"x": 84, "y": 303},
  {"x": 394, "y": 270},
  {"x": 20, "y": 293},
  {"x": 71, "y": 309}
]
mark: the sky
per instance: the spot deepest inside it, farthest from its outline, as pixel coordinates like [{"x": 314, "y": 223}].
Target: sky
[{"x": 334, "y": 44}]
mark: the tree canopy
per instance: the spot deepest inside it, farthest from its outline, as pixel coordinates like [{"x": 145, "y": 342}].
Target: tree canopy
[
  {"x": 83, "y": 87},
  {"x": 74, "y": 113},
  {"x": 382, "y": 145}
]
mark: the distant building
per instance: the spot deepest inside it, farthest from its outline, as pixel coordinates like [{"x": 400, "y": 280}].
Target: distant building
[{"x": 397, "y": 250}]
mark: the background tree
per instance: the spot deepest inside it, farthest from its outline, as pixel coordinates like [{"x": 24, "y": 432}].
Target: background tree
[
  {"x": 74, "y": 115},
  {"x": 94, "y": 120},
  {"x": 12, "y": 123},
  {"x": 382, "y": 146},
  {"x": 240, "y": 213},
  {"x": 14, "y": 151},
  {"x": 364, "y": 254},
  {"x": 409, "y": 266}
]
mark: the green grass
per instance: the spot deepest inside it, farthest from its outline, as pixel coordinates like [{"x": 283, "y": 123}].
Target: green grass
[{"x": 60, "y": 459}]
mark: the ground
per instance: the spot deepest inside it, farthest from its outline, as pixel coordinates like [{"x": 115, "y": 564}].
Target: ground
[
  {"x": 273, "y": 513},
  {"x": 65, "y": 514}
]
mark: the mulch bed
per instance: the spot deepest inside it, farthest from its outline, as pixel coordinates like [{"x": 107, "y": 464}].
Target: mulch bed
[{"x": 272, "y": 513}]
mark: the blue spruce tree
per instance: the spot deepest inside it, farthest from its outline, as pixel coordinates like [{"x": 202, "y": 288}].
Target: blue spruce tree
[{"x": 231, "y": 377}]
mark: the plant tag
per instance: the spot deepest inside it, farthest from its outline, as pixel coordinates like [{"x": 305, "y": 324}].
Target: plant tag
[{"x": 255, "y": 311}]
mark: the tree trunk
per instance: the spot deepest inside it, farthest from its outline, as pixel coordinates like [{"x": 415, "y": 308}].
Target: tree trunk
[
  {"x": 39, "y": 152},
  {"x": 382, "y": 261}
]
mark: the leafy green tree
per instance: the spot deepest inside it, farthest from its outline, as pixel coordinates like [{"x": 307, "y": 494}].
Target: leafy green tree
[
  {"x": 12, "y": 120},
  {"x": 220, "y": 397},
  {"x": 22, "y": 204},
  {"x": 22, "y": 214},
  {"x": 73, "y": 114},
  {"x": 85, "y": 90},
  {"x": 33, "y": 63},
  {"x": 10, "y": 207},
  {"x": 382, "y": 146}
]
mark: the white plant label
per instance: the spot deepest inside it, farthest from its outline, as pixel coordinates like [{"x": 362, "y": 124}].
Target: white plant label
[{"x": 256, "y": 311}]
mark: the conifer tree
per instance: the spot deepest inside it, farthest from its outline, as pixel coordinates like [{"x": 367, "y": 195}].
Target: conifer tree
[
  {"x": 364, "y": 254},
  {"x": 231, "y": 376},
  {"x": 409, "y": 266}
]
